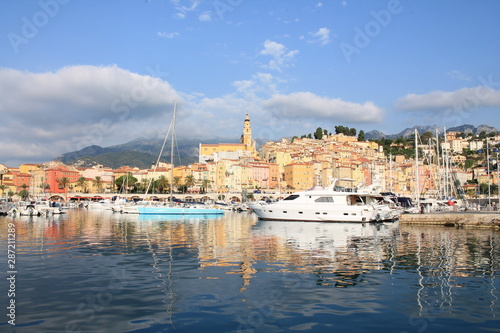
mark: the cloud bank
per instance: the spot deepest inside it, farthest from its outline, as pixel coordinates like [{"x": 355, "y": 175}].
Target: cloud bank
[
  {"x": 46, "y": 114},
  {"x": 459, "y": 100},
  {"x": 308, "y": 105}
]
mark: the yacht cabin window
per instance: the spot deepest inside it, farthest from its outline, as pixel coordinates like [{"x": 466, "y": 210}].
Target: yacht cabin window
[{"x": 324, "y": 199}]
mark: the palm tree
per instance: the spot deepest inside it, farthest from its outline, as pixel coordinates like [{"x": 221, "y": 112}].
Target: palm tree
[
  {"x": 97, "y": 183},
  {"x": 142, "y": 185},
  {"x": 177, "y": 182},
  {"x": 205, "y": 183},
  {"x": 23, "y": 194},
  {"x": 3, "y": 187},
  {"x": 125, "y": 182},
  {"x": 162, "y": 184},
  {"x": 63, "y": 182},
  {"x": 44, "y": 187},
  {"x": 189, "y": 181},
  {"x": 82, "y": 183}
]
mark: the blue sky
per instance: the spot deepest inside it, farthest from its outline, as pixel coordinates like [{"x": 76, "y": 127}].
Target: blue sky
[{"x": 75, "y": 73}]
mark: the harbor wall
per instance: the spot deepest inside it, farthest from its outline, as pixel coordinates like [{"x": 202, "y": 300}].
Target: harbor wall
[{"x": 454, "y": 219}]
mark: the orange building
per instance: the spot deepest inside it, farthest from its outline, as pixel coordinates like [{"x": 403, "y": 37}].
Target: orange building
[
  {"x": 16, "y": 181},
  {"x": 55, "y": 174}
]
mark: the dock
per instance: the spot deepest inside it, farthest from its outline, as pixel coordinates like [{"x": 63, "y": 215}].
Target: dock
[{"x": 454, "y": 219}]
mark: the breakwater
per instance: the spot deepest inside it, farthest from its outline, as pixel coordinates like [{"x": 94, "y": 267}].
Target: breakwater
[{"x": 454, "y": 219}]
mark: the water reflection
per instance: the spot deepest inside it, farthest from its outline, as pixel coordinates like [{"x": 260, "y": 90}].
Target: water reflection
[
  {"x": 453, "y": 266},
  {"x": 89, "y": 270},
  {"x": 337, "y": 253}
]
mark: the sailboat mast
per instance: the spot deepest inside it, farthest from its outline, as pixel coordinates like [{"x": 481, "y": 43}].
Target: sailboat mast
[
  {"x": 417, "y": 194},
  {"x": 390, "y": 172},
  {"x": 446, "y": 164},
  {"x": 440, "y": 191},
  {"x": 172, "y": 155}
]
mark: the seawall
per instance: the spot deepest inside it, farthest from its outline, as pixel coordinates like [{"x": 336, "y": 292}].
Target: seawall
[{"x": 454, "y": 219}]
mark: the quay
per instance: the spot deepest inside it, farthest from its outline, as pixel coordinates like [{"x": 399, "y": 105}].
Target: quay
[{"x": 454, "y": 219}]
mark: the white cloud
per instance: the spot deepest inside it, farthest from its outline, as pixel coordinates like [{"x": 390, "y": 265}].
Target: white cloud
[
  {"x": 306, "y": 105},
  {"x": 260, "y": 86},
  {"x": 319, "y": 5},
  {"x": 322, "y": 36},
  {"x": 184, "y": 6},
  {"x": 168, "y": 34},
  {"x": 46, "y": 114},
  {"x": 458, "y": 75},
  {"x": 459, "y": 100},
  {"x": 78, "y": 106},
  {"x": 205, "y": 16},
  {"x": 281, "y": 57}
]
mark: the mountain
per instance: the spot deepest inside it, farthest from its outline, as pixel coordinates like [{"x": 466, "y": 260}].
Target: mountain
[
  {"x": 374, "y": 135},
  {"x": 141, "y": 153},
  {"x": 115, "y": 160},
  {"x": 408, "y": 132}
]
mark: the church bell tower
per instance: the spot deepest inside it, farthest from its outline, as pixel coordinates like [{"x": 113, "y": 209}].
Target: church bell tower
[{"x": 246, "y": 138}]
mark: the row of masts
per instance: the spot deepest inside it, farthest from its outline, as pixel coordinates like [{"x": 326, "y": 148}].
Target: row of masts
[
  {"x": 445, "y": 177},
  {"x": 446, "y": 182}
]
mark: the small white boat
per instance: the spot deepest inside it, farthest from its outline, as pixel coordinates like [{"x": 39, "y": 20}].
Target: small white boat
[
  {"x": 49, "y": 208},
  {"x": 328, "y": 205},
  {"x": 25, "y": 210}
]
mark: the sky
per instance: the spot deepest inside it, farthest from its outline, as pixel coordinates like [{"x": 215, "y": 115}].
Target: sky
[{"x": 75, "y": 73}]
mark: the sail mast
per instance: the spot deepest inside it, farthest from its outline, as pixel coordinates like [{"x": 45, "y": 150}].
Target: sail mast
[
  {"x": 417, "y": 194},
  {"x": 440, "y": 189},
  {"x": 172, "y": 155}
]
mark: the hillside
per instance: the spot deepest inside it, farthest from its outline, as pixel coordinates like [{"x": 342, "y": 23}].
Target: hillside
[
  {"x": 139, "y": 153},
  {"x": 409, "y": 132},
  {"x": 142, "y": 152}
]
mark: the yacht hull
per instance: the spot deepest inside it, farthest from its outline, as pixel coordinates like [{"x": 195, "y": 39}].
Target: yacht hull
[{"x": 276, "y": 212}]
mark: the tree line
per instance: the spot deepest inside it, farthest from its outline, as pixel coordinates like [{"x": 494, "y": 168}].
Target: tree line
[{"x": 320, "y": 133}]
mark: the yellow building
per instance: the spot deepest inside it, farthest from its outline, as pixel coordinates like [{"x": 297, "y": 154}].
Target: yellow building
[
  {"x": 299, "y": 176},
  {"x": 211, "y": 149},
  {"x": 27, "y": 167},
  {"x": 216, "y": 152}
]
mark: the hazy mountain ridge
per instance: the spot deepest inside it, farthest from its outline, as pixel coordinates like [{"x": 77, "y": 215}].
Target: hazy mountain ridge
[
  {"x": 408, "y": 132},
  {"x": 142, "y": 153}
]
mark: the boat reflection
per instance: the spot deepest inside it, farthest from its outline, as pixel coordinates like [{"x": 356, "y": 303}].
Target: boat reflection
[
  {"x": 450, "y": 264},
  {"x": 336, "y": 253},
  {"x": 165, "y": 218}
]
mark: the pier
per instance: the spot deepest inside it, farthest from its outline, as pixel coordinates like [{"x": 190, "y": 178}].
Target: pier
[{"x": 454, "y": 219}]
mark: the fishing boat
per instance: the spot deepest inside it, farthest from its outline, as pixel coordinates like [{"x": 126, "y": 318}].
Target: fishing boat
[{"x": 332, "y": 204}]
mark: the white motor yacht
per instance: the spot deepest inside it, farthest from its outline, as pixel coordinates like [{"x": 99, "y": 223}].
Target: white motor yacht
[{"x": 330, "y": 204}]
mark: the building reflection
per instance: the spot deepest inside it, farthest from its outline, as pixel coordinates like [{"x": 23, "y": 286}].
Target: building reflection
[{"x": 332, "y": 254}]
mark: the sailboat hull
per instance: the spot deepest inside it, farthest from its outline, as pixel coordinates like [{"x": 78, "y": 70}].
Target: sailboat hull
[{"x": 179, "y": 211}]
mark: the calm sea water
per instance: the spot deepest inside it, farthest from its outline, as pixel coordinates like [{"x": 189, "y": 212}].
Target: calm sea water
[{"x": 95, "y": 271}]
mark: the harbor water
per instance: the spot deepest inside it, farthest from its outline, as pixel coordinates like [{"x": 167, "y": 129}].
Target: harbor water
[{"x": 98, "y": 271}]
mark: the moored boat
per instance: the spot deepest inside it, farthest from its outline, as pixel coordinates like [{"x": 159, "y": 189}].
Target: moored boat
[
  {"x": 172, "y": 208},
  {"x": 328, "y": 205}
]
